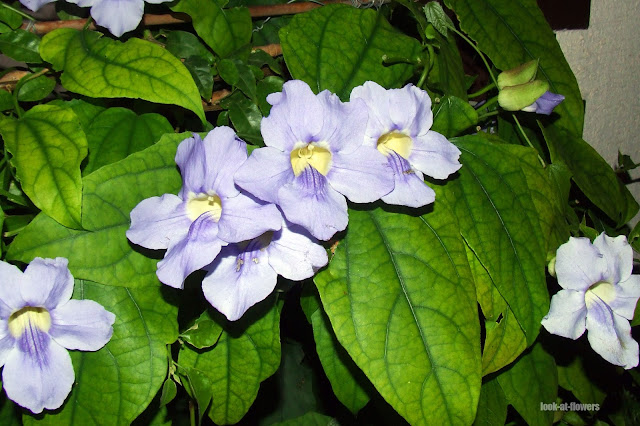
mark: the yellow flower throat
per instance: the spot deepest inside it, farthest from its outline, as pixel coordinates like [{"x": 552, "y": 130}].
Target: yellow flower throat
[{"x": 312, "y": 154}]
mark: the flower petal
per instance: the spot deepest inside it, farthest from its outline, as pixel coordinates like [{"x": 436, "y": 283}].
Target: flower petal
[
  {"x": 377, "y": 101},
  {"x": 579, "y": 264},
  {"x": 434, "y": 155},
  {"x": 567, "y": 314},
  {"x": 626, "y": 298},
  {"x": 38, "y": 373},
  {"x": 363, "y": 176},
  {"x": 296, "y": 115},
  {"x": 618, "y": 254},
  {"x": 48, "y": 282},
  {"x": 610, "y": 335},
  {"x": 34, "y": 5},
  {"x": 196, "y": 250},
  {"x": 244, "y": 218},
  {"x": 81, "y": 324},
  {"x": 264, "y": 173},
  {"x": 209, "y": 164},
  {"x": 7, "y": 342},
  {"x": 295, "y": 254},
  {"x": 344, "y": 124},
  {"x": 232, "y": 286},
  {"x": 311, "y": 202},
  {"x": 157, "y": 221},
  {"x": 119, "y": 16},
  {"x": 410, "y": 189},
  {"x": 10, "y": 298}
]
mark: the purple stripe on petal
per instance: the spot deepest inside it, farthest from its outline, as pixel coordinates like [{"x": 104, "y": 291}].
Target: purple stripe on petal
[
  {"x": 195, "y": 251},
  {"x": 313, "y": 204},
  {"x": 40, "y": 377},
  {"x": 410, "y": 189}
]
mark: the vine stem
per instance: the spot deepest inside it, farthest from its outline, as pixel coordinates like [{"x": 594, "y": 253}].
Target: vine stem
[
  {"x": 526, "y": 138},
  {"x": 181, "y": 18},
  {"x": 482, "y": 91},
  {"x": 473, "y": 45}
]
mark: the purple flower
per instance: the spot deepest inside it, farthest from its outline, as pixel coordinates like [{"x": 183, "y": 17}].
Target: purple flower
[
  {"x": 314, "y": 159},
  {"x": 545, "y": 103},
  {"x": 599, "y": 296},
  {"x": 119, "y": 16},
  {"x": 208, "y": 213},
  {"x": 399, "y": 123},
  {"x": 244, "y": 274},
  {"x": 38, "y": 323}
]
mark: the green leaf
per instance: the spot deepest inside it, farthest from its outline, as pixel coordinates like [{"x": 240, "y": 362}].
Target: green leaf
[
  {"x": 9, "y": 20},
  {"x": 184, "y": 45},
  {"x": 203, "y": 333},
  {"x": 634, "y": 237},
  {"x": 35, "y": 89},
  {"x": 6, "y": 100},
  {"x": 267, "y": 86},
  {"x": 201, "y": 72},
  {"x": 169, "y": 392},
  {"x": 198, "y": 386},
  {"x": 504, "y": 339},
  {"x": 247, "y": 353},
  {"x": 246, "y": 119},
  {"x": 575, "y": 378},
  {"x": 310, "y": 419},
  {"x": 238, "y": 74},
  {"x": 9, "y": 412},
  {"x": 319, "y": 51},
  {"x": 109, "y": 196},
  {"x": 48, "y": 146},
  {"x": 21, "y": 45},
  {"x": 401, "y": 301},
  {"x": 115, "y": 384},
  {"x": 86, "y": 110},
  {"x": 447, "y": 74},
  {"x": 116, "y": 133},
  {"x": 436, "y": 17},
  {"x": 499, "y": 221},
  {"x": 348, "y": 382},
  {"x": 592, "y": 174},
  {"x": 260, "y": 58},
  {"x": 267, "y": 31},
  {"x": 226, "y": 31},
  {"x": 531, "y": 381},
  {"x": 105, "y": 68},
  {"x": 519, "y": 33},
  {"x": 492, "y": 407},
  {"x": 452, "y": 116}
]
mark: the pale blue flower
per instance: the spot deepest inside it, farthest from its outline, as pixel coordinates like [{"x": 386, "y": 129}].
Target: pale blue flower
[
  {"x": 208, "y": 213},
  {"x": 399, "y": 127},
  {"x": 245, "y": 274},
  {"x": 545, "y": 103},
  {"x": 38, "y": 323},
  {"x": 314, "y": 158},
  {"x": 599, "y": 295}
]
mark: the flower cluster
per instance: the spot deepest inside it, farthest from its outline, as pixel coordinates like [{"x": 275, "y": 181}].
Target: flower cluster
[
  {"x": 38, "y": 323},
  {"x": 599, "y": 295},
  {"x": 118, "y": 16},
  {"x": 247, "y": 220}
]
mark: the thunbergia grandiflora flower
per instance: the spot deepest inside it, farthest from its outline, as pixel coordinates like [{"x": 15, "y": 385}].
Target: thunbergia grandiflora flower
[
  {"x": 208, "y": 213},
  {"x": 399, "y": 127},
  {"x": 245, "y": 274},
  {"x": 314, "y": 158},
  {"x": 118, "y": 16},
  {"x": 599, "y": 295},
  {"x": 38, "y": 323}
]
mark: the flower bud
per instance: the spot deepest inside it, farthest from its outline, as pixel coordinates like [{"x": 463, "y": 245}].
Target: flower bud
[
  {"x": 515, "y": 98},
  {"x": 522, "y": 74}
]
